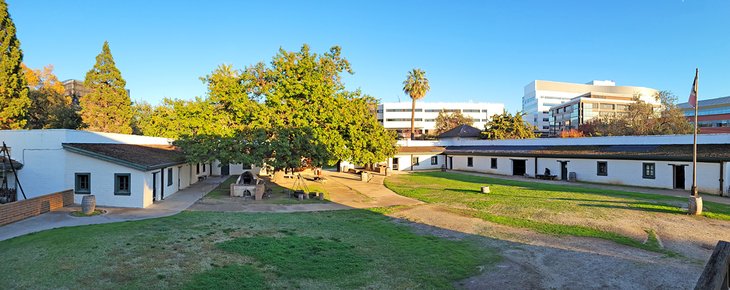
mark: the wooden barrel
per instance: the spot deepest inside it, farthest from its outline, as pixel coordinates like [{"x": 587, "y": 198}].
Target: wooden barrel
[{"x": 88, "y": 204}]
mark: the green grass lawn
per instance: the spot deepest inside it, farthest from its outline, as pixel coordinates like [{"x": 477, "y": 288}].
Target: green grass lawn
[
  {"x": 207, "y": 250},
  {"x": 537, "y": 206}
]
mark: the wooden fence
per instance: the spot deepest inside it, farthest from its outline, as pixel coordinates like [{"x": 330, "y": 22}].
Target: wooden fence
[{"x": 717, "y": 271}]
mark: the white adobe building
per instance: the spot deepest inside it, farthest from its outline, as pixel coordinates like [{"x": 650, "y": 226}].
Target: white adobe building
[
  {"x": 540, "y": 95},
  {"x": 397, "y": 116},
  {"x": 120, "y": 170},
  {"x": 646, "y": 161}
]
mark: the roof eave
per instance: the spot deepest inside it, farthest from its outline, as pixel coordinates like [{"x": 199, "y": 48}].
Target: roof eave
[{"x": 118, "y": 161}]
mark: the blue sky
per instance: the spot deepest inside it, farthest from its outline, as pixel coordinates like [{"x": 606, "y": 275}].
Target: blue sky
[{"x": 480, "y": 51}]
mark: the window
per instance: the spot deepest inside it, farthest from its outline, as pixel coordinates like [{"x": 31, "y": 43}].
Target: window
[
  {"x": 602, "y": 168},
  {"x": 415, "y": 161},
  {"x": 494, "y": 163},
  {"x": 648, "y": 170},
  {"x": 470, "y": 110},
  {"x": 122, "y": 182},
  {"x": 545, "y": 119},
  {"x": 203, "y": 167},
  {"x": 169, "y": 176},
  {"x": 434, "y": 160},
  {"x": 83, "y": 183},
  {"x": 197, "y": 168},
  {"x": 470, "y": 162}
]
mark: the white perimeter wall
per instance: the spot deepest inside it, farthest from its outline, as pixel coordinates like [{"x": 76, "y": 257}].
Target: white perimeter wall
[
  {"x": 612, "y": 140},
  {"x": 424, "y": 161}
]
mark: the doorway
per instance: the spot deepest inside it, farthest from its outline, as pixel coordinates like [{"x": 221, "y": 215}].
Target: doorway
[
  {"x": 154, "y": 186},
  {"x": 395, "y": 163},
  {"x": 519, "y": 167},
  {"x": 225, "y": 169},
  {"x": 563, "y": 170},
  {"x": 679, "y": 176}
]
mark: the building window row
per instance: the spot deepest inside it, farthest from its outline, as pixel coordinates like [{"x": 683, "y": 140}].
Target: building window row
[
  {"x": 402, "y": 110},
  {"x": 122, "y": 183},
  {"x": 403, "y": 120}
]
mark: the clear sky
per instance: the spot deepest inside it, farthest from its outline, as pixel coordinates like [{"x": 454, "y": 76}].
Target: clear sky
[{"x": 484, "y": 51}]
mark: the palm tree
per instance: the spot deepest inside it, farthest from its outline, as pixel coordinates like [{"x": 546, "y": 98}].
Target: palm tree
[{"x": 416, "y": 86}]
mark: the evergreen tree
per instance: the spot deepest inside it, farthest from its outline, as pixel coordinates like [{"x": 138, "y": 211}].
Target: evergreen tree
[
  {"x": 14, "y": 101},
  {"x": 107, "y": 106}
]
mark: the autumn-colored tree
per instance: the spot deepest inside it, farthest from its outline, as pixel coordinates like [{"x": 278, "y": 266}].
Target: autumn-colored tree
[
  {"x": 447, "y": 121},
  {"x": 508, "y": 126},
  {"x": 14, "y": 100},
  {"x": 572, "y": 133},
  {"x": 107, "y": 106},
  {"x": 642, "y": 119},
  {"x": 50, "y": 109},
  {"x": 416, "y": 86}
]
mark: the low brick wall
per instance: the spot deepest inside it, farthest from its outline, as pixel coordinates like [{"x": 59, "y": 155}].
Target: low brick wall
[{"x": 23, "y": 209}]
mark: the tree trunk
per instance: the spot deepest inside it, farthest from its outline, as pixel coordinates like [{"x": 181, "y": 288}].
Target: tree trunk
[{"x": 413, "y": 118}]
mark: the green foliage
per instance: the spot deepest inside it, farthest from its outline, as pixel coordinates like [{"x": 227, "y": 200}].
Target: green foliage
[
  {"x": 107, "y": 106},
  {"x": 642, "y": 119},
  {"x": 447, "y": 121},
  {"x": 416, "y": 86},
  {"x": 508, "y": 126},
  {"x": 228, "y": 277},
  {"x": 294, "y": 112},
  {"x": 14, "y": 100}
]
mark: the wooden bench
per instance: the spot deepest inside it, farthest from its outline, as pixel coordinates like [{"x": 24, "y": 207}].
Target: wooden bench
[{"x": 546, "y": 177}]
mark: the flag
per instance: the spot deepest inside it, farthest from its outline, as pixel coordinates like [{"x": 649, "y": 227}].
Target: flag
[{"x": 693, "y": 94}]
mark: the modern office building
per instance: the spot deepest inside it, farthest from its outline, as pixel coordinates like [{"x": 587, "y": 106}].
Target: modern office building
[
  {"x": 713, "y": 115},
  {"x": 397, "y": 116},
  {"x": 540, "y": 96},
  {"x": 589, "y": 106},
  {"x": 74, "y": 89}
]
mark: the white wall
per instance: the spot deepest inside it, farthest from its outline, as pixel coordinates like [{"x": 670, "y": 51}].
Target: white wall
[
  {"x": 102, "y": 181},
  {"x": 424, "y": 161},
  {"x": 484, "y": 164},
  {"x": 620, "y": 172},
  {"x": 629, "y": 172},
  {"x": 44, "y": 159}
]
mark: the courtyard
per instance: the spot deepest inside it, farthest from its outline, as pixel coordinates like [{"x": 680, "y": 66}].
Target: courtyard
[{"x": 416, "y": 230}]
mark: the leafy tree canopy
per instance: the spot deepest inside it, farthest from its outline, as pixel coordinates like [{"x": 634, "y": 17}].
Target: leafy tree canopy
[
  {"x": 447, "y": 121},
  {"x": 292, "y": 112},
  {"x": 508, "y": 126}
]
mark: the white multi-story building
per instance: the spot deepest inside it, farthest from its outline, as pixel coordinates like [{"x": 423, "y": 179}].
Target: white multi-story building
[
  {"x": 540, "y": 96},
  {"x": 397, "y": 116}
]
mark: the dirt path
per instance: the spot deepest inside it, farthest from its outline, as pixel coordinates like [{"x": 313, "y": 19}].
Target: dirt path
[{"x": 538, "y": 261}]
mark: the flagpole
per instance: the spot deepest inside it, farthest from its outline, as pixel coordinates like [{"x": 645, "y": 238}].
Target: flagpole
[{"x": 694, "y": 145}]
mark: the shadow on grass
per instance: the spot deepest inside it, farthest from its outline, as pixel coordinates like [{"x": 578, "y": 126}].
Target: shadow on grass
[
  {"x": 643, "y": 207},
  {"x": 465, "y": 177}
]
